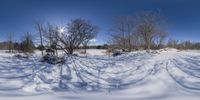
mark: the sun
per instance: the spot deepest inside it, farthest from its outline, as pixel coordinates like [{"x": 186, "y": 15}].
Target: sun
[{"x": 61, "y": 30}]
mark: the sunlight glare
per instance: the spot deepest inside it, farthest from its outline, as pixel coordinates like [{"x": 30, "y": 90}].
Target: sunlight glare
[{"x": 61, "y": 30}]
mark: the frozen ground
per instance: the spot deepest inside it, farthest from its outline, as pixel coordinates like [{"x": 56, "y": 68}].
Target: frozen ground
[{"x": 162, "y": 75}]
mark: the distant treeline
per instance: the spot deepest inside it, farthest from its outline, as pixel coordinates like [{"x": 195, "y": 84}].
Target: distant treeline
[
  {"x": 26, "y": 45},
  {"x": 183, "y": 45},
  {"x": 171, "y": 44}
]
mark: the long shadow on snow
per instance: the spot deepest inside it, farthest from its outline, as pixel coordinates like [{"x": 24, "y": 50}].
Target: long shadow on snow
[
  {"x": 183, "y": 80},
  {"x": 21, "y": 69},
  {"x": 109, "y": 82}
]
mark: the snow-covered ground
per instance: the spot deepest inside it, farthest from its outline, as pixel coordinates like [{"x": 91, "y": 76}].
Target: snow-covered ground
[{"x": 161, "y": 75}]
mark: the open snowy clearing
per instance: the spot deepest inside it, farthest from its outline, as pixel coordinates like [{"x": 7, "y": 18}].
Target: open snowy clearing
[{"x": 161, "y": 75}]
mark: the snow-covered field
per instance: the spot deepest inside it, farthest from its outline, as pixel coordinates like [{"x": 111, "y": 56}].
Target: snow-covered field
[{"x": 161, "y": 75}]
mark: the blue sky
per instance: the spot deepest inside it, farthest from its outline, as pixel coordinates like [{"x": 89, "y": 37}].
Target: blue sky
[{"x": 17, "y": 16}]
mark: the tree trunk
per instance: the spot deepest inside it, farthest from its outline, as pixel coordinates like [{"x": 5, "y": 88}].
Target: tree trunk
[
  {"x": 60, "y": 82},
  {"x": 85, "y": 48},
  {"x": 148, "y": 48},
  {"x": 70, "y": 51}
]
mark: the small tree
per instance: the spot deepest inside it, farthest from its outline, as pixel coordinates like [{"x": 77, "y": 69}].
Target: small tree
[
  {"x": 122, "y": 32},
  {"x": 172, "y": 43},
  {"x": 85, "y": 43},
  {"x": 51, "y": 33},
  {"x": 16, "y": 46},
  {"x": 159, "y": 39},
  {"x": 10, "y": 42},
  {"x": 27, "y": 44},
  {"x": 39, "y": 27}
]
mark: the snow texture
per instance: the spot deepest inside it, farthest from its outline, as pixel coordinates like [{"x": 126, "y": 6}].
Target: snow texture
[{"x": 166, "y": 74}]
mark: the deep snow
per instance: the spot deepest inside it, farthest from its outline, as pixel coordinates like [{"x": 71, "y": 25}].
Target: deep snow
[{"x": 167, "y": 74}]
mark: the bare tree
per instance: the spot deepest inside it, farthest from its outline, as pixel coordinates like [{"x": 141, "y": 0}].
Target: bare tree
[
  {"x": 39, "y": 27},
  {"x": 85, "y": 44},
  {"x": 51, "y": 33},
  {"x": 172, "y": 43},
  {"x": 10, "y": 42},
  {"x": 159, "y": 39},
  {"x": 78, "y": 31},
  {"x": 149, "y": 26},
  {"x": 122, "y": 32}
]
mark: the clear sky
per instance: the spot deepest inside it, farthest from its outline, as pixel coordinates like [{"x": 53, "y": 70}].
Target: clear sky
[{"x": 17, "y": 16}]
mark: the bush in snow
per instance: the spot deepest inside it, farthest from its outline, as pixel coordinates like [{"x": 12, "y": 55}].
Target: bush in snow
[
  {"x": 20, "y": 56},
  {"x": 51, "y": 59},
  {"x": 117, "y": 52}
]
